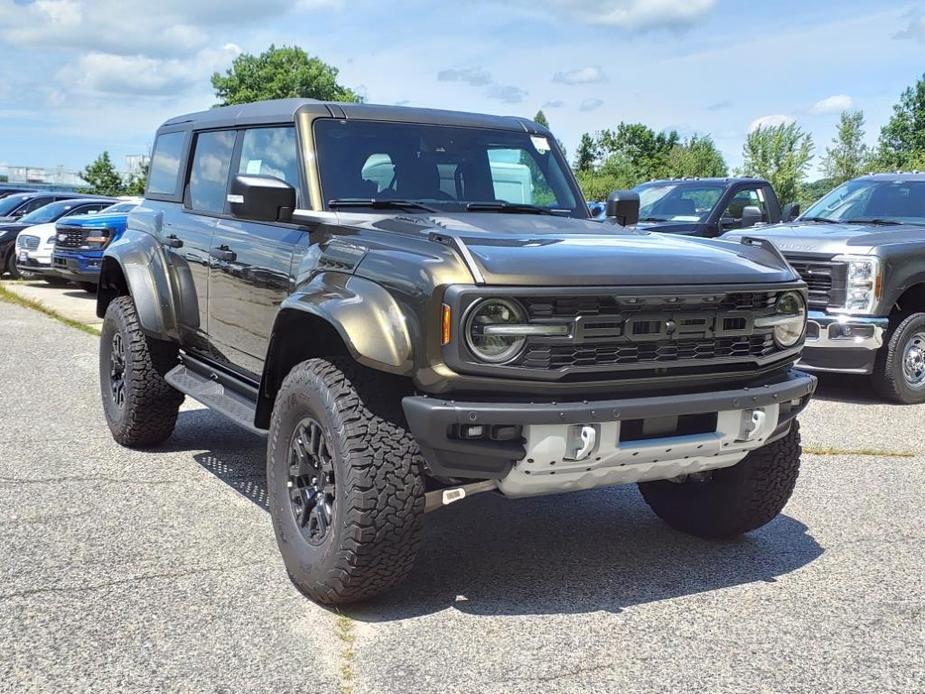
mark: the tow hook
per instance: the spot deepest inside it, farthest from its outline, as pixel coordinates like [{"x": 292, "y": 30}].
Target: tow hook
[
  {"x": 752, "y": 421},
  {"x": 444, "y": 497}
]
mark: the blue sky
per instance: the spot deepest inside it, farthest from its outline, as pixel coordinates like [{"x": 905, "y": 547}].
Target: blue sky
[{"x": 80, "y": 76}]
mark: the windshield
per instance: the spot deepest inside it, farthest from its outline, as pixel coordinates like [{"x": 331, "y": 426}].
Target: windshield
[
  {"x": 10, "y": 203},
  {"x": 120, "y": 207},
  {"x": 444, "y": 168},
  {"x": 677, "y": 202},
  {"x": 867, "y": 200},
  {"x": 49, "y": 213}
]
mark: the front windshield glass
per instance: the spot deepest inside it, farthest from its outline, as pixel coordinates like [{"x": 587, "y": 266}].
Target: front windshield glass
[
  {"x": 872, "y": 201},
  {"x": 677, "y": 202},
  {"x": 10, "y": 203},
  {"x": 48, "y": 213},
  {"x": 120, "y": 207},
  {"x": 444, "y": 168}
]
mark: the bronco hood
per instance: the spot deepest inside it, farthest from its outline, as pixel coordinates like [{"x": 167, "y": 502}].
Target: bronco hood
[
  {"x": 832, "y": 239},
  {"x": 541, "y": 250}
]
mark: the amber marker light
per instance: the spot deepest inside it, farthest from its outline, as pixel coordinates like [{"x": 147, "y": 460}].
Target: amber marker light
[{"x": 445, "y": 325}]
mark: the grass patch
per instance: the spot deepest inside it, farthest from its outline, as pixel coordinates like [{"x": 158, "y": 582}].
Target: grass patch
[
  {"x": 344, "y": 630},
  {"x": 13, "y": 298},
  {"x": 829, "y": 450}
]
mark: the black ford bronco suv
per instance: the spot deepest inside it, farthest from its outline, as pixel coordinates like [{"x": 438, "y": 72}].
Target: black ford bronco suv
[
  {"x": 414, "y": 306},
  {"x": 861, "y": 251}
]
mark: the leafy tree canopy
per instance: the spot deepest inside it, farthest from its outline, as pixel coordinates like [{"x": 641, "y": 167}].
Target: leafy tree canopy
[
  {"x": 902, "y": 139},
  {"x": 848, "y": 157},
  {"x": 102, "y": 178},
  {"x": 279, "y": 73},
  {"x": 781, "y": 154}
]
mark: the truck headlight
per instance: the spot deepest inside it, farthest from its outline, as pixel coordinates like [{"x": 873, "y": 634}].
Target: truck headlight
[
  {"x": 488, "y": 330},
  {"x": 863, "y": 283},
  {"x": 788, "y": 320}
]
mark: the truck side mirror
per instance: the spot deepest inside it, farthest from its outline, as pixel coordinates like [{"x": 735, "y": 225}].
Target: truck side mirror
[
  {"x": 623, "y": 205},
  {"x": 791, "y": 211},
  {"x": 263, "y": 198},
  {"x": 751, "y": 215}
]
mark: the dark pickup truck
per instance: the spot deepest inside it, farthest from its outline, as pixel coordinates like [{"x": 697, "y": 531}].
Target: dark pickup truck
[
  {"x": 709, "y": 207},
  {"x": 414, "y": 306},
  {"x": 861, "y": 250}
]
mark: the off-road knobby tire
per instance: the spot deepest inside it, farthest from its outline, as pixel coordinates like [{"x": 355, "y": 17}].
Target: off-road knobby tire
[
  {"x": 734, "y": 500},
  {"x": 375, "y": 533},
  {"x": 149, "y": 413},
  {"x": 888, "y": 379}
]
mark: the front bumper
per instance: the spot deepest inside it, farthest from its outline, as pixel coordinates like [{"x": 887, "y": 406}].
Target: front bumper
[
  {"x": 436, "y": 422},
  {"x": 845, "y": 344},
  {"x": 78, "y": 267},
  {"x": 33, "y": 266}
]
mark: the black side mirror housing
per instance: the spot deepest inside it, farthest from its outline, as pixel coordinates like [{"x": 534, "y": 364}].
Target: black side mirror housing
[
  {"x": 623, "y": 206},
  {"x": 751, "y": 215},
  {"x": 791, "y": 211},
  {"x": 262, "y": 198}
]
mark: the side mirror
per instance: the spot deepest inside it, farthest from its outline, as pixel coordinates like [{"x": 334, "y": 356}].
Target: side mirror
[
  {"x": 623, "y": 205},
  {"x": 263, "y": 198},
  {"x": 791, "y": 211},
  {"x": 751, "y": 215}
]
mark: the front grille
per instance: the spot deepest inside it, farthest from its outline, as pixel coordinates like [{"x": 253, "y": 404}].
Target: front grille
[
  {"x": 29, "y": 243},
  {"x": 825, "y": 279},
  {"x": 618, "y": 333},
  {"x": 69, "y": 236}
]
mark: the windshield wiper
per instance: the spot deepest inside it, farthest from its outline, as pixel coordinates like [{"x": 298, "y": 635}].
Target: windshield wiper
[
  {"x": 824, "y": 220},
  {"x": 512, "y": 207},
  {"x": 872, "y": 220},
  {"x": 380, "y": 204}
]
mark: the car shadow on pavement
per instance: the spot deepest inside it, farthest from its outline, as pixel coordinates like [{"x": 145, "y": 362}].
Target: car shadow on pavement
[
  {"x": 847, "y": 388},
  {"x": 569, "y": 553}
]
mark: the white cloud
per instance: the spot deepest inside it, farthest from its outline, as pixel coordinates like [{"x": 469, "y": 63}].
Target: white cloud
[
  {"x": 583, "y": 75},
  {"x": 770, "y": 121},
  {"x": 173, "y": 28},
  {"x": 590, "y": 104},
  {"x": 915, "y": 31},
  {"x": 507, "y": 93},
  {"x": 554, "y": 103},
  {"x": 638, "y": 15},
  {"x": 475, "y": 76},
  {"x": 832, "y": 104}
]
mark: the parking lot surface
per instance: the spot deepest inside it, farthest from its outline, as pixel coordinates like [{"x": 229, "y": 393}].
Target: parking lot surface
[{"x": 139, "y": 571}]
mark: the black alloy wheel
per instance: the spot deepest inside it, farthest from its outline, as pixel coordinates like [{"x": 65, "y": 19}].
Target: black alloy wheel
[{"x": 312, "y": 487}]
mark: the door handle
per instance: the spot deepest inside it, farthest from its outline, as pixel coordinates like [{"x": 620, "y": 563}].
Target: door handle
[
  {"x": 223, "y": 253},
  {"x": 173, "y": 241}
]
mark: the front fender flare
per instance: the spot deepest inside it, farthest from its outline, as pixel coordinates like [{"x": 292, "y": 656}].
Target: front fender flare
[
  {"x": 139, "y": 257},
  {"x": 368, "y": 319}
]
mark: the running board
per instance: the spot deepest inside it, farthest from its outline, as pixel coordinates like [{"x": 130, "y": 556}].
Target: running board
[{"x": 235, "y": 406}]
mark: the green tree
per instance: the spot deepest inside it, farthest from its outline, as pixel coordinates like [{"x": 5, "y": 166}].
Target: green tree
[
  {"x": 697, "y": 156},
  {"x": 588, "y": 153},
  {"x": 814, "y": 190},
  {"x": 102, "y": 178},
  {"x": 540, "y": 118},
  {"x": 848, "y": 157},
  {"x": 781, "y": 154},
  {"x": 136, "y": 184},
  {"x": 902, "y": 139},
  {"x": 646, "y": 150},
  {"x": 279, "y": 73}
]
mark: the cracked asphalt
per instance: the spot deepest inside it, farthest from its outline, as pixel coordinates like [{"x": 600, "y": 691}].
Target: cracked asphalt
[{"x": 125, "y": 571}]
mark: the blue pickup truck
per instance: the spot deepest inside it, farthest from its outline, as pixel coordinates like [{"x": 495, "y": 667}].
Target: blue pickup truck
[{"x": 80, "y": 242}]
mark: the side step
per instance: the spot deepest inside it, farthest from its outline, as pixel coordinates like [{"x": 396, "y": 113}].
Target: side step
[{"x": 210, "y": 392}]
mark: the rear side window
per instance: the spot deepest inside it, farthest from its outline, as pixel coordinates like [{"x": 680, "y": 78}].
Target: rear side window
[
  {"x": 164, "y": 173},
  {"x": 208, "y": 181},
  {"x": 271, "y": 152}
]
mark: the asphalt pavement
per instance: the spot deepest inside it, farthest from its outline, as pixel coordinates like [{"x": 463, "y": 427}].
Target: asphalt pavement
[{"x": 124, "y": 571}]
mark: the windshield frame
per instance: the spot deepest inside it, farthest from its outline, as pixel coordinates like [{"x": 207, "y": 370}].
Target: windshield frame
[
  {"x": 858, "y": 187},
  {"x": 567, "y": 180}
]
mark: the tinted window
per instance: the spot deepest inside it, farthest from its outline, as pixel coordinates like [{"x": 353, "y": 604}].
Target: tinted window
[
  {"x": 445, "y": 167},
  {"x": 866, "y": 199},
  {"x": 271, "y": 152},
  {"x": 48, "y": 213},
  {"x": 34, "y": 205},
  {"x": 676, "y": 202},
  {"x": 164, "y": 172},
  {"x": 748, "y": 197},
  {"x": 10, "y": 203},
  {"x": 208, "y": 181}
]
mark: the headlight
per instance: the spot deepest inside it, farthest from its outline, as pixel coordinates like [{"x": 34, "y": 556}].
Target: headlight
[
  {"x": 863, "y": 283},
  {"x": 51, "y": 240},
  {"x": 788, "y": 321},
  {"x": 486, "y": 320}
]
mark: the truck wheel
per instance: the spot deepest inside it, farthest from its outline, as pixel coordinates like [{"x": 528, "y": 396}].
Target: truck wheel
[
  {"x": 731, "y": 501},
  {"x": 344, "y": 481},
  {"x": 899, "y": 374},
  {"x": 10, "y": 265},
  {"x": 140, "y": 407}
]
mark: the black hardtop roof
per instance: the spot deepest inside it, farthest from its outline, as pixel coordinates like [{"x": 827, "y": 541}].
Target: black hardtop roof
[
  {"x": 286, "y": 111},
  {"x": 724, "y": 180}
]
